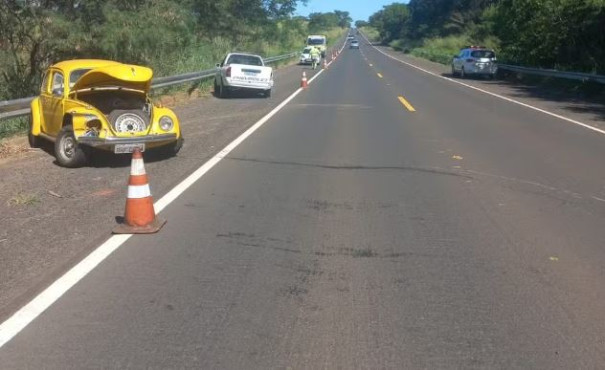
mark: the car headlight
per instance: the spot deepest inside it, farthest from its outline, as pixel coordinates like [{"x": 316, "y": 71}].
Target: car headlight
[{"x": 166, "y": 123}]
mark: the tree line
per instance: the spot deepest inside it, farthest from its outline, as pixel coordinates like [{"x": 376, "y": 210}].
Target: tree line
[
  {"x": 171, "y": 36},
  {"x": 562, "y": 34}
]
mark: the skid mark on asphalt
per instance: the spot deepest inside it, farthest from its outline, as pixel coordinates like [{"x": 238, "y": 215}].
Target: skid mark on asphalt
[
  {"x": 355, "y": 251},
  {"x": 558, "y": 194},
  {"x": 332, "y": 106},
  {"x": 428, "y": 170}
]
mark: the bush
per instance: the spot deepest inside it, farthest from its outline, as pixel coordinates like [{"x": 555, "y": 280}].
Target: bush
[
  {"x": 442, "y": 49},
  {"x": 397, "y": 45}
]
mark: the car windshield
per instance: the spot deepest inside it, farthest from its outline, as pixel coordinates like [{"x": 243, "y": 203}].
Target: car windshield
[
  {"x": 249, "y": 60},
  {"x": 75, "y": 76},
  {"x": 483, "y": 54},
  {"x": 306, "y": 50},
  {"x": 315, "y": 41}
]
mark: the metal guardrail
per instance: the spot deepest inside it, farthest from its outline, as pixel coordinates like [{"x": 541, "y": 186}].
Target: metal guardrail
[
  {"x": 584, "y": 77},
  {"x": 20, "y": 107}
]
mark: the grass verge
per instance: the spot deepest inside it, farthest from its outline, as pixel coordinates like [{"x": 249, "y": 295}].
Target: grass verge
[{"x": 13, "y": 126}]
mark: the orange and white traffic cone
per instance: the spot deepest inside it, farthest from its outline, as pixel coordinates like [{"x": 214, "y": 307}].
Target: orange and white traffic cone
[
  {"x": 303, "y": 81},
  {"x": 139, "y": 216}
]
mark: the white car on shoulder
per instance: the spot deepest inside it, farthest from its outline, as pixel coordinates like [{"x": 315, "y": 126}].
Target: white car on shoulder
[
  {"x": 305, "y": 56},
  {"x": 241, "y": 71}
]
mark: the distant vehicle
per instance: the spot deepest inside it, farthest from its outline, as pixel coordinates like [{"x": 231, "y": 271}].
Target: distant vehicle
[
  {"x": 305, "y": 56},
  {"x": 241, "y": 71},
  {"x": 319, "y": 41},
  {"x": 354, "y": 44},
  {"x": 350, "y": 37},
  {"x": 89, "y": 103},
  {"x": 475, "y": 60}
]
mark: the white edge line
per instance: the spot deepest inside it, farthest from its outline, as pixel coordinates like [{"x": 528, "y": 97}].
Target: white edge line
[
  {"x": 490, "y": 93},
  {"x": 28, "y": 313}
]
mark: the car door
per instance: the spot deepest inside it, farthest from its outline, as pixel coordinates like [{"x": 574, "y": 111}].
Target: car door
[
  {"x": 44, "y": 96},
  {"x": 52, "y": 103},
  {"x": 458, "y": 61}
]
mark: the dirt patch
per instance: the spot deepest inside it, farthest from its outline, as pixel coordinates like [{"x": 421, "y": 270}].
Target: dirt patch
[{"x": 14, "y": 146}]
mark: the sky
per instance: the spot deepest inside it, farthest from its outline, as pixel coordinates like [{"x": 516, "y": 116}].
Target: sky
[{"x": 359, "y": 9}]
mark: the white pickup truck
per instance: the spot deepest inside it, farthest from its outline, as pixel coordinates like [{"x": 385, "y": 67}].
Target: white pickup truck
[{"x": 240, "y": 71}]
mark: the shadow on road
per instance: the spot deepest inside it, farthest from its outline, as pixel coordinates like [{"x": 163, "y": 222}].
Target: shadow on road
[{"x": 587, "y": 98}]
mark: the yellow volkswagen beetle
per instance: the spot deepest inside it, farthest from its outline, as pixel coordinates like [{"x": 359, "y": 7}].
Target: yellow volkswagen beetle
[{"x": 85, "y": 104}]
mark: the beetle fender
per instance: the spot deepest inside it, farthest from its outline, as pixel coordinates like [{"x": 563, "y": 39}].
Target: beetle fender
[
  {"x": 36, "y": 117},
  {"x": 161, "y": 111}
]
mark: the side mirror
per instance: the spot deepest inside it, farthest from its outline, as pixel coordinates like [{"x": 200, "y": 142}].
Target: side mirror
[{"x": 218, "y": 65}]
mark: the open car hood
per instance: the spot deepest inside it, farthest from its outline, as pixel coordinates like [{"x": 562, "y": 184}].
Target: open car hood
[{"x": 116, "y": 75}]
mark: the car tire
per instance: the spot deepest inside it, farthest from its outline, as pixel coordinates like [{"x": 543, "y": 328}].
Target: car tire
[
  {"x": 172, "y": 149},
  {"x": 454, "y": 74},
  {"x": 267, "y": 93},
  {"x": 222, "y": 91},
  {"x": 67, "y": 150},
  {"x": 34, "y": 141},
  {"x": 462, "y": 73}
]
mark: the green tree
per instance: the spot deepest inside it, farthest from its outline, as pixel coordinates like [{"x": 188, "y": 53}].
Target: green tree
[{"x": 391, "y": 22}]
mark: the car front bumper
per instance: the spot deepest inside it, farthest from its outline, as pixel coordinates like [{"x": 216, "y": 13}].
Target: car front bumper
[{"x": 155, "y": 140}]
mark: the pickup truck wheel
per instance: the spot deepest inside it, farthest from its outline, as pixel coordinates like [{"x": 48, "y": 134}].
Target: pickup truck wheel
[
  {"x": 34, "y": 141},
  {"x": 222, "y": 91},
  {"x": 67, "y": 150}
]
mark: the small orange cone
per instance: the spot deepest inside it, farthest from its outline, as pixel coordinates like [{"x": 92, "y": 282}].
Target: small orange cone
[
  {"x": 139, "y": 216},
  {"x": 303, "y": 82}
]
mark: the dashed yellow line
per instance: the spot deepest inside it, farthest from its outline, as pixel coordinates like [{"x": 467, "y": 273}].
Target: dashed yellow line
[
  {"x": 379, "y": 75},
  {"x": 406, "y": 104}
]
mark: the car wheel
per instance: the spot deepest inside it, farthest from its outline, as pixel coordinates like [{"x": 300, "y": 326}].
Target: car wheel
[
  {"x": 34, "y": 141},
  {"x": 462, "y": 73},
  {"x": 453, "y": 71},
  {"x": 222, "y": 91},
  {"x": 267, "y": 93},
  {"x": 172, "y": 149},
  {"x": 67, "y": 150}
]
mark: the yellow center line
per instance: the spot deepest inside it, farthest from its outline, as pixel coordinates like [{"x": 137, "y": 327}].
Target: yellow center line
[
  {"x": 406, "y": 104},
  {"x": 379, "y": 75}
]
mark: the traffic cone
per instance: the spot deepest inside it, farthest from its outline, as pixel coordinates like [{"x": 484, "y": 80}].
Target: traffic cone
[
  {"x": 139, "y": 216},
  {"x": 303, "y": 82}
]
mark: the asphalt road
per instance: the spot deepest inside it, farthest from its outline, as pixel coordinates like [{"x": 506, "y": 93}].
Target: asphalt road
[
  {"x": 351, "y": 232},
  {"x": 71, "y": 211}
]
